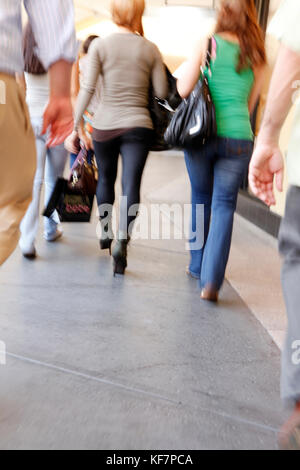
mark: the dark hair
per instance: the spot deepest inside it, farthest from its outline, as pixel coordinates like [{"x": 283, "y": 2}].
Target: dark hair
[
  {"x": 87, "y": 43},
  {"x": 240, "y": 17},
  {"x": 32, "y": 63}
]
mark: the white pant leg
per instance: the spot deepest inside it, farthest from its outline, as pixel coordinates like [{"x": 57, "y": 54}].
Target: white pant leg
[{"x": 30, "y": 223}]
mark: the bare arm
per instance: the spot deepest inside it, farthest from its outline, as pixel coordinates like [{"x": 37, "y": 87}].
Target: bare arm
[
  {"x": 279, "y": 102},
  {"x": 59, "y": 87},
  {"x": 191, "y": 70},
  {"x": 58, "y": 115},
  {"x": 259, "y": 75},
  {"x": 267, "y": 161}
]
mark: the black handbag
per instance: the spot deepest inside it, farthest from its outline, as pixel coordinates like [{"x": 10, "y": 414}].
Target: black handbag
[
  {"x": 84, "y": 175},
  {"x": 161, "y": 112},
  {"x": 194, "y": 121},
  {"x": 73, "y": 199}
]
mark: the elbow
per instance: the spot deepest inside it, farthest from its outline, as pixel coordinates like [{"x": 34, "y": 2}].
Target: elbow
[
  {"x": 184, "y": 94},
  {"x": 182, "y": 90}
]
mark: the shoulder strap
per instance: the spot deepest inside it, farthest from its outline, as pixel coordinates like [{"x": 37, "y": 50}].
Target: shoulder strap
[{"x": 208, "y": 53}]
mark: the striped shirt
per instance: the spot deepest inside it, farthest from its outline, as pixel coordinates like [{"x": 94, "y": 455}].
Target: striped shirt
[
  {"x": 52, "y": 22},
  {"x": 285, "y": 26}
]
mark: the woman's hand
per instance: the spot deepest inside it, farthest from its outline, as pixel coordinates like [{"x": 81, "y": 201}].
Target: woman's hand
[
  {"x": 72, "y": 143},
  {"x": 85, "y": 140}
]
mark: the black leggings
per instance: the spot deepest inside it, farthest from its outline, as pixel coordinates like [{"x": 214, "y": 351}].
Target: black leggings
[{"x": 134, "y": 148}]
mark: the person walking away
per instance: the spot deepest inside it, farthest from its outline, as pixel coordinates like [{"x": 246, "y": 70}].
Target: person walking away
[
  {"x": 266, "y": 170},
  {"x": 127, "y": 63},
  {"x": 78, "y": 77},
  {"x": 49, "y": 19},
  {"x": 50, "y": 161},
  {"x": 217, "y": 168}
]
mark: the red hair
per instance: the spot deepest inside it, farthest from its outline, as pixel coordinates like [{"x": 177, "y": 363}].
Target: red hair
[{"x": 240, "y": 17}]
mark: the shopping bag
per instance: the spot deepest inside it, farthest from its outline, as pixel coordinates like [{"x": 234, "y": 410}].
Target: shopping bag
[
  {"x": 71, "y": 204},
  {"x": 73, "y": 199}
]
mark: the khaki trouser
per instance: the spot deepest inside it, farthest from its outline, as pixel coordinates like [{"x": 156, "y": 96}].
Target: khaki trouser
[{"x": 17, "y": 163}]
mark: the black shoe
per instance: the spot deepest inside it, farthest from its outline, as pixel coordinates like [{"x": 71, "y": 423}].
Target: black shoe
[
  {"x": 119, "y": 254},
  {"x": 105, "y": 244},
  {"x": 31, "y": 256},
  {"x": 107, "y": 236}
]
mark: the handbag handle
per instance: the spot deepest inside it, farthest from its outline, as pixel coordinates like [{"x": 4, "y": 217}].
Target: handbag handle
[
  {"x": 208, "y": 54},
  {"x": 81, "y": 157}
]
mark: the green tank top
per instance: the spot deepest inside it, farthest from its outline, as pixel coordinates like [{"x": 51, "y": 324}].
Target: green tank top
[{"x": 230, "y": 91}]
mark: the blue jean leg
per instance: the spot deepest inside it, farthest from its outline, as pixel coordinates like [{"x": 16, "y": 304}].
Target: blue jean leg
[
  {"x": 230, "y": 167},
  {"x": 200, "y": 167}
]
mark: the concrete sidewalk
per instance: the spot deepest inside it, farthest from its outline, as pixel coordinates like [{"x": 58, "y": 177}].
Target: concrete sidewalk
[{"x": 96, "y": 362}]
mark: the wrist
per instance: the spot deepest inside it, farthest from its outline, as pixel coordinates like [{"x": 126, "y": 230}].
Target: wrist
[
  {"x": 269, "y": 133},
  {"x": 266, "y": 139},
  {"x": 60, "y": 95}
]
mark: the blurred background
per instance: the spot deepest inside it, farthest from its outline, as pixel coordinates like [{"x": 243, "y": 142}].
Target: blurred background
[{"x": 174, "y": 25}]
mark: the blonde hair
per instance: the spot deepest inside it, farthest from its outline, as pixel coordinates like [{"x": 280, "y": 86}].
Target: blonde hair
[{"x": 129, "y": 13}]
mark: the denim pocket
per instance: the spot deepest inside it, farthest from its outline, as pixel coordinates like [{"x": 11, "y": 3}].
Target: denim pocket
[{"x": 239, "y": 148}]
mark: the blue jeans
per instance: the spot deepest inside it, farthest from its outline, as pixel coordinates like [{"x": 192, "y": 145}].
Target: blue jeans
[
  {"x": 216, "y": 172},
  {"x": 50, "y": 165},
  {"x": 73, "y": 157}
]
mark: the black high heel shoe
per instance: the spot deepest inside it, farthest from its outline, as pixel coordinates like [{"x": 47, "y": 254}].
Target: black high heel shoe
[
  {"x": 107, "y": 236},
  {"x": 119, "y": 254}
]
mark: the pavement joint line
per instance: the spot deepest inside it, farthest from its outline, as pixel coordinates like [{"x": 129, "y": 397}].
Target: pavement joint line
[
  {"x": 138, "y": 390},
  {"x": 239, "y": 420},
  {"x": 91, "y": 377}
]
